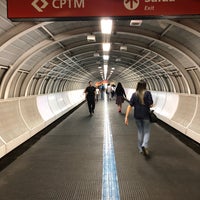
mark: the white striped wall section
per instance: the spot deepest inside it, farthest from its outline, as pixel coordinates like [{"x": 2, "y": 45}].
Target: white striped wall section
[
  {"x": 21, "y": 118},
  {"x": 181, "y": 111}
]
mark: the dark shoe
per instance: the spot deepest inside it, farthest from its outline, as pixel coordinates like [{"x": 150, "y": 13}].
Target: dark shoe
[{"x": 145, "y": 152}]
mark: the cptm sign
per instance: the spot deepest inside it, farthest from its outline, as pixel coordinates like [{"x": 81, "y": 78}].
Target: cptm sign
[
  {"x": 53, "y": 9},
  {"x": 58, "y": 4}
]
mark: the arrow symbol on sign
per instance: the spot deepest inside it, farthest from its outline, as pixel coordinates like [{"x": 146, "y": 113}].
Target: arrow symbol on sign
[{"x": 39, "y": 9}]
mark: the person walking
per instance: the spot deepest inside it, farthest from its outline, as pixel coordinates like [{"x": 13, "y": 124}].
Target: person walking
[
  {"x": 108, "y": 91},
  {"x": 141, "y": 100},
  {"x": 102, "y": 89},
  {"x": 90, "y": 97},
  {"x": 97, "y": 93},
  {"x": 113, "y": 90},
  {"x": 120, "y": 94}
]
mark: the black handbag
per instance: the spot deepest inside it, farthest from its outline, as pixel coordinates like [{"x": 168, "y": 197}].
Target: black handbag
[{"x": 152, "y": 116}]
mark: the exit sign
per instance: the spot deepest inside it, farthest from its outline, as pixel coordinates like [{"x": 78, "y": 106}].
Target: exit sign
[{"x": 53, "y": 9}]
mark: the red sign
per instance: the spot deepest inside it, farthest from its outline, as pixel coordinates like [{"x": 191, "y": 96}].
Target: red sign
[
  {"x": 101, "y": 82},
  {"x": 28, "y": 9}
]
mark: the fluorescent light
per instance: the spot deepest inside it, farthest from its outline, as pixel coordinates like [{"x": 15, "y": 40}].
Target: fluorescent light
[
  {"x": 96, "y": 54},
  {"x": 91, "y": 38},
  {"x": 118, "y": 59},
  {"x": 106, "y": 46},
  {"x": 135, "y": 22},
  {"x": 105, "y": 69},
  {"x": 106, "y": 57},
  {"x": 123, "y": 48},
  {"x": 106, "y": 26}
]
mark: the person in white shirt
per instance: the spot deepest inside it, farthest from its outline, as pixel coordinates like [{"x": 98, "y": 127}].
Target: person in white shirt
[
  {"x": 97, "y": 93},
  {"x": 109, "y": 90}
]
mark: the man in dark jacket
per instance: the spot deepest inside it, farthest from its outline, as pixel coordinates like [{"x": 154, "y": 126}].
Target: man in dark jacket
[{"x": 90, "y": 97}]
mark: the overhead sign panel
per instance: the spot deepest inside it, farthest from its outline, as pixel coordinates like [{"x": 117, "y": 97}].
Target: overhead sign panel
[{"x": 27, "y": 9}]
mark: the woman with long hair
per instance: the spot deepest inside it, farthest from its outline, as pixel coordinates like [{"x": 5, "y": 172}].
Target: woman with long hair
[
  {"x": 141, "y": 100},
  {"x": 120, "y": 94}
]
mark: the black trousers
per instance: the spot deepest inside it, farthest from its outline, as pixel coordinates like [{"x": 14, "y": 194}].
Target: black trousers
[{"x": 91, "y": 104}]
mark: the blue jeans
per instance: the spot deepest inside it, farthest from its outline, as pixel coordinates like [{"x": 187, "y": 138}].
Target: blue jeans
[{"x": 143, "y": 126}]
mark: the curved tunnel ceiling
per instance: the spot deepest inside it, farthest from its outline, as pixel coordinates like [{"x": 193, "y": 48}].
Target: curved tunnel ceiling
[{"x": 48, "y": 57}]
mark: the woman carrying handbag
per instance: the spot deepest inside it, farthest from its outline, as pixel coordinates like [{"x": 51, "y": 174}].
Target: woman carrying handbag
[{"x": 141, "y": 100}]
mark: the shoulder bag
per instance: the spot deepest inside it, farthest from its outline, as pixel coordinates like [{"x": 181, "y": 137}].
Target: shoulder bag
[{"x": 152, "y": 116}]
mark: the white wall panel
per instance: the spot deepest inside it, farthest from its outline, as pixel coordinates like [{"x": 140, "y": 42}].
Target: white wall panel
[
  {"x": 184, "y": 113},
  {"x": 76, "y": 96},
  {"x": 52, "y": 101},
  {"x": 193, "y": 130},
  {"x": 129, "y": 93},
  {"x": 61, "y": 102},
  {"x": 170, "y": 105},
  {"x": 66, "y": 99},
  {"x": 160, "y": 100},
  {"x": 44, "y": 108},
  {"x": 13, "y": 129},
  {"x": 23, "y": 117},
  {"x": 180, "y": 111},
  {"x": 2, "y": 148},
  {"x": 30, "y": 112},
  {"x": 10, "y": 121}
]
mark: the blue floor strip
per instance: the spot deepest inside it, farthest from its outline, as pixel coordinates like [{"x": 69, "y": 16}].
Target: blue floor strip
[{"x": 110, "y": 187}]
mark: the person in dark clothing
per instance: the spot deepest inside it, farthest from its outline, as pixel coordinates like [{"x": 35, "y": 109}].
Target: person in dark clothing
[
  {"x": 113, "y": 90},
  {"x": 90, "y": 97},
  {"x": 102, "y": 90},
  {"x": 141, "y": 100},
  {"x": 120, "y": 94}
]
